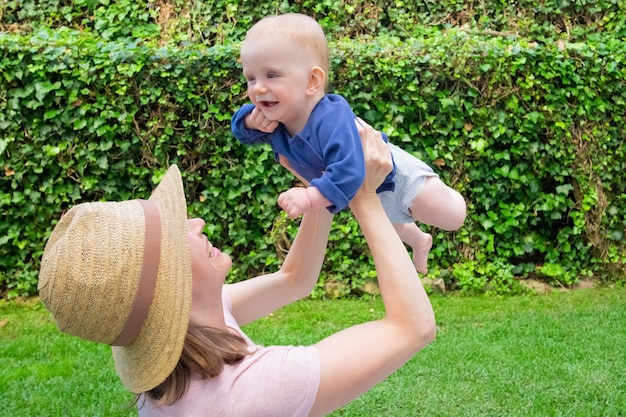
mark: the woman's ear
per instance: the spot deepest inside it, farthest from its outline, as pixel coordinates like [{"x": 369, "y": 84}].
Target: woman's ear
[{"x": 317, "y": 81}]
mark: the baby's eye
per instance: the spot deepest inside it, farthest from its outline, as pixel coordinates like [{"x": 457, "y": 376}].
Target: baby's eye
[{"x": 272, "y": 75}]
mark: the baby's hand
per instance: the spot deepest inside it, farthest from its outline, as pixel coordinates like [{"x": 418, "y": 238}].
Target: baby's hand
[
  {"x": 257, "y": 120},
  {"x": 295, "y": 201}
]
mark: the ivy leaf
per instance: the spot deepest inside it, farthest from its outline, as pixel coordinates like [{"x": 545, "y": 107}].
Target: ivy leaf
[
  {"x": 564, "y": 189},
  {"x": 446, "y": 102},
  {"x": 533, "y": 116},
  {"x": 43, "y": 88}
]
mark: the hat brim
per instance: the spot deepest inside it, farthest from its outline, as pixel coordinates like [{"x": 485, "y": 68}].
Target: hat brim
[{"x": 153, "y": 355}]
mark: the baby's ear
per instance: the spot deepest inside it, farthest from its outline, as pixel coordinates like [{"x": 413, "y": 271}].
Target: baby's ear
[{"x": 317, "y": 81}]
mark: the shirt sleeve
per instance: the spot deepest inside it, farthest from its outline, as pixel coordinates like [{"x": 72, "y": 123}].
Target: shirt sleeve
[
  {"x": 341, "y": 150},
  {"x": 273, "y": 381},
  {"x": 277, "y": 381}
]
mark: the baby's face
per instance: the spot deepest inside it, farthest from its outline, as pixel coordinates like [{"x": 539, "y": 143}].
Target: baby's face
[{"x": 277, "y": 72}]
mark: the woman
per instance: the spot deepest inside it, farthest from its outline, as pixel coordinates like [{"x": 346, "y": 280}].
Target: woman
[{"x": 141, "y": 277}]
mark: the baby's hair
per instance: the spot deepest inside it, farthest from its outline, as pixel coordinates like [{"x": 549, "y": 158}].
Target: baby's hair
[{"x": 301, "y": 29}]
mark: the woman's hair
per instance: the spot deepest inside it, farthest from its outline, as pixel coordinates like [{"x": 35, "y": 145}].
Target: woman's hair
[
  {"x": 205, "y": 352},
  {"x": 300, "y": 28}
]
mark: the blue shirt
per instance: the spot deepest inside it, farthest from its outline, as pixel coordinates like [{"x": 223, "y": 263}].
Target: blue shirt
[{"x": 327, "y": 152}]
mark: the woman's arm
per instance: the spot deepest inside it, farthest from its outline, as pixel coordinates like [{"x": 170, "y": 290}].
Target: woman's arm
[
  {"x": 357, "y": 358},
  {"x": 257, "y": 297}
]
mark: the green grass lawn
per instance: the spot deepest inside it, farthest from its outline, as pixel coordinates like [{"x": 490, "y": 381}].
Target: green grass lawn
[{"x": 562, "y": 354}]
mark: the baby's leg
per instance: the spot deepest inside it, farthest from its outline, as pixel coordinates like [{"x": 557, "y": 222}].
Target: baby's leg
[
  {"x": 439, "y": 205},
  {"x": 419, "y": 242}
]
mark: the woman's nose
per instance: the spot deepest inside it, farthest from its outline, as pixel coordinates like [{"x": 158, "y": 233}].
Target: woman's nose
[{"x": 196, "y": 225}]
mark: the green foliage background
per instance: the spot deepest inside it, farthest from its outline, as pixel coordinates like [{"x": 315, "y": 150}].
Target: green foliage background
[{"x": 520, "y": 106}]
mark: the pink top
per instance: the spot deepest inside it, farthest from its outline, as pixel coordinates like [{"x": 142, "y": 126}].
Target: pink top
[{"x": 273, "y": 381}]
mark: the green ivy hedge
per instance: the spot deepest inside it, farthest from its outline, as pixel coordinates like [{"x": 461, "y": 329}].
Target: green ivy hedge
[
  {"x": 213, "y": 21},
  {"x": 530, "y": 131}
]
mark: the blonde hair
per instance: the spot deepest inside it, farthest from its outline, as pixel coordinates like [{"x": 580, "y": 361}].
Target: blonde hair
[{"x": 299, "y": 28}]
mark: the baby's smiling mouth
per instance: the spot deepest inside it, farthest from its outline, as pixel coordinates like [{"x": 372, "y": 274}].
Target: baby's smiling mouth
[{"x": 268, "y": 103}]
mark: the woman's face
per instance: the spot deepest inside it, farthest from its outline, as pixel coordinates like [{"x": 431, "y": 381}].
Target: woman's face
[{"x": 207, "y": 261}]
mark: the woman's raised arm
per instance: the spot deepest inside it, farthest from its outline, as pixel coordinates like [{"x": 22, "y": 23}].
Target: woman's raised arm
[
  {"x": 257, "y": 297},
  {"x": 357, "y": 358}
]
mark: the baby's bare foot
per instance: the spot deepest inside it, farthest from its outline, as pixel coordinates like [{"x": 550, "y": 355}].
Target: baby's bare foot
[{"x": 420, "y": 253}]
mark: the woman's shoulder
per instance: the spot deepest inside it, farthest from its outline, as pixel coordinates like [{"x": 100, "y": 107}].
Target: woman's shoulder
[{"x": 274, "y": 380}]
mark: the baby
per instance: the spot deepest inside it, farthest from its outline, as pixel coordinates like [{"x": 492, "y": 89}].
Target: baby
[{"x": 285, "y": 63}]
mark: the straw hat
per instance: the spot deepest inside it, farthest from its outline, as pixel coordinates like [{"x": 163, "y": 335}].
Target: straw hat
[{"x": 113, "y": 273}]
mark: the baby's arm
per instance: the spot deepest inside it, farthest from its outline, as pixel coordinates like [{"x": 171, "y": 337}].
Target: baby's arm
[
  {"x": 257, "y": 120},
  {"x": 298, "y": 200}
]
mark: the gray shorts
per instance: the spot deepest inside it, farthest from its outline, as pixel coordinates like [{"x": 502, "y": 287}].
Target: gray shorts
[{"x": 410, "y": 176}]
